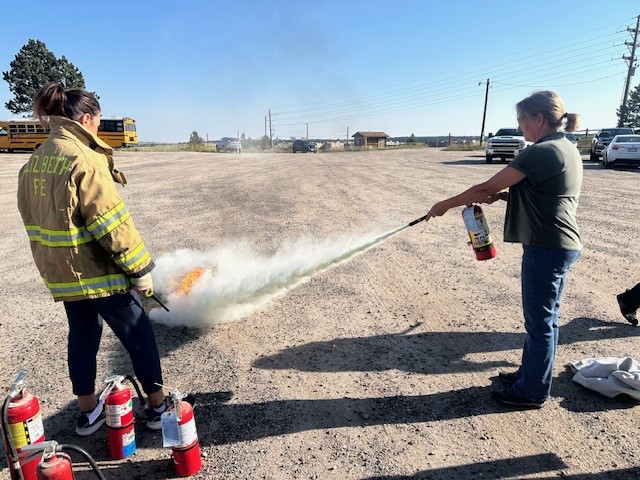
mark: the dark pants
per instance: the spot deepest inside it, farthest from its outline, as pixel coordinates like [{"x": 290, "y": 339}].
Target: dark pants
[
  {"x": 129, "y": 322},
  {"x": 631, "y": 298}
]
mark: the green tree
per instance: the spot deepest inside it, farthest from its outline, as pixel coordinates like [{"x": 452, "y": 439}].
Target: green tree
[
  {"x": 629, "y": 115},
  {"x": 195, "y": 139},
  {"x": 33, "y": 67}
]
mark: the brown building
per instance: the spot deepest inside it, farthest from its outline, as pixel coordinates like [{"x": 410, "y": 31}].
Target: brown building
[{"x": 370, "y": 139}]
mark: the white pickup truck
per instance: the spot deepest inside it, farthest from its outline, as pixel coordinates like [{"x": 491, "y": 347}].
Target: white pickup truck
[{"x": 506, "y": 143}]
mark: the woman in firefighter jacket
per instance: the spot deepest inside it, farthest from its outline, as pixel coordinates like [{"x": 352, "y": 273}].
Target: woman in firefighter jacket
[{"x": 86, "y": 247}]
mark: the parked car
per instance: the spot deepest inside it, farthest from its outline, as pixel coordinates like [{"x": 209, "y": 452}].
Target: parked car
[
  {"x": 602, "y": 138},
  {"x": 623, "y": 149},
  {"x": 229, "y": 144},
  {"x": 304, "y": 146}
]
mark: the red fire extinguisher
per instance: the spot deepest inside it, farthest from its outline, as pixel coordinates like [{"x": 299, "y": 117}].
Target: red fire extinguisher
[
  {"x": 21, "y": 425},
  {"x": 121, "y": 436},
  {"x": 53, "y": 463},
  {"x": 179, "y": 432},
  {"x": 479, "y": 234}
]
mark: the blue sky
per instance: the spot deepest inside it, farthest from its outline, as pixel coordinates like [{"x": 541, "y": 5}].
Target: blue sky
[{"x": 402, "y": 67}]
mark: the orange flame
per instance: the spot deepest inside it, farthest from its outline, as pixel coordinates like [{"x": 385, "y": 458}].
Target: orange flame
[{"x": 189, "y": 280}]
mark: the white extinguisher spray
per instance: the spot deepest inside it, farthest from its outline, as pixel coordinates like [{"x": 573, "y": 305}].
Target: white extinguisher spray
[
  {"x": 479, "y": 234},
  {"x": 179, "y": 432},
  {"x": 121, "y": 436}
]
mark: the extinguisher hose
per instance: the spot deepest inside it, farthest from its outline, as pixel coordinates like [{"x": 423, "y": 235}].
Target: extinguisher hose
[
  {"x": 13, "y": 455},
  {"x": 137, "y": 387},
  {"x": 92, "y": 462}
]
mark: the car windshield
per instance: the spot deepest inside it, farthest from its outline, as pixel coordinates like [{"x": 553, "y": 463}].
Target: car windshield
[
  {"x": 509, "y": 131},
  {"x": 614, "y": 131}
]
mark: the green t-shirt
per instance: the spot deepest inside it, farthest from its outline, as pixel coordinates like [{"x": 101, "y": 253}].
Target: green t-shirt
[{"x": 541, "y": 210}]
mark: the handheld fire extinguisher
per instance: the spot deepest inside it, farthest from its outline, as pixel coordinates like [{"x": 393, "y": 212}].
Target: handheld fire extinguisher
[
  {"x": 179, "y": 432},
  {"x": 21, "y": 426},
  {"x": 479, "y": 234},
  {"x": 121, "y": 435},
  {"x": 54, "y": 463}
]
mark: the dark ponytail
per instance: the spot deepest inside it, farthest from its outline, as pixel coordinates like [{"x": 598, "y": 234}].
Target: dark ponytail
[{"x": 52, "y": 99}]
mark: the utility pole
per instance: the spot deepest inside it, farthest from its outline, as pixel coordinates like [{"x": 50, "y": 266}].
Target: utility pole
[
  {"x": 484, "y": 112},
  {"x": 270, "y": 130},
  {"x": 630, "y": 71}
]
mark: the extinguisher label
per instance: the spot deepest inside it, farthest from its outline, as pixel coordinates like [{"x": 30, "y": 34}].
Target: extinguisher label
[
  {"x": 188, "y": 433},
  {"x": 27, "y": 432},
  {"x": 116, "y": 412},
  {"x": 129, "y": 443},
  {"x": 170, "y": 429},
  {"x": 477, "y": 227}
]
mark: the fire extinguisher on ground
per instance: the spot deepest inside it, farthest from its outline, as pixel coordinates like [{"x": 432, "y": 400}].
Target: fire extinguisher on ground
[
  {"x": 479, "y": 234},
  {"x": 54, "y": 463},
  {"x": 21, "y": 426},
  {"x": 179, "y": 432},
  {"x": 121, "y": 436}
]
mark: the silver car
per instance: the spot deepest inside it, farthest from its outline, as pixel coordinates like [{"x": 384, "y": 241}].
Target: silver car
[{"x": 623, "y": 150}]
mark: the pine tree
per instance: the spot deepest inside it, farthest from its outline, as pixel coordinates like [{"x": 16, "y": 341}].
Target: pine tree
[
  {"x": 631, "y": 110},
  {"x": 33, "y": 67}
]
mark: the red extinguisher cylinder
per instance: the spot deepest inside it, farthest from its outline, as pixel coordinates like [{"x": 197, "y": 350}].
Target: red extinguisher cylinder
[
  {"x": 479, "y": 234},
  {"x": 55, "y": 467},
  {"x": 25, "y": 428},
  {"x": 121, "y": 436},
  {"x": 186, "y": 455}
]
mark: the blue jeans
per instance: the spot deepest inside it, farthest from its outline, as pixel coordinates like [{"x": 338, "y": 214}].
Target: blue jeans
[
  {"x": 543, "y": 277},
  {"x": 128, "y": 320}
]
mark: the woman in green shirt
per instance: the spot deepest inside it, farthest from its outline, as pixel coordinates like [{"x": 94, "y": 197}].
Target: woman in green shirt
[{"x": 544, "y": 184}]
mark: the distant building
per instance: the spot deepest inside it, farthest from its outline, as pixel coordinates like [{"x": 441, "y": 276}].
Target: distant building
[{"x": 370, "y": 139}]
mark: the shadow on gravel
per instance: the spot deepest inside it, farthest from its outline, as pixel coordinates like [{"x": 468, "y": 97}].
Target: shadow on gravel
[
  {"x": 429, "y": 352},
  {"x": 232, "y": 423},
  {"x": 514, "y": 468}
]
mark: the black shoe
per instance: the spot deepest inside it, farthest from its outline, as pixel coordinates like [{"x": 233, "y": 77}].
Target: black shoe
[
  {"x": 509, "y": 397},
  {"x": 154, "y": 415},
  {"x": 626, "y": 312},
  {"x": 509, "y": 377},
  {"x": 84, "y": 427}
]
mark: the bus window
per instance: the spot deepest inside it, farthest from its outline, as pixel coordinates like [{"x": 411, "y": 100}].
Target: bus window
[{"x": 3, "y": 132}]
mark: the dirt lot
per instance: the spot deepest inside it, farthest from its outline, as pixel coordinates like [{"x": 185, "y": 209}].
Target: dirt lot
[{"x": 380, "y": 367}]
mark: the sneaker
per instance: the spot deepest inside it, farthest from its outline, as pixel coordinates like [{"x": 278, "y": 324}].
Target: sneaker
[
  {"x": 84, "y": 426},
  {"x": 509, "y": 377},
  {"x": 626, "y": 312},
  {"x": 154, "y": 415},
  {"x": 509, "y": 397}
]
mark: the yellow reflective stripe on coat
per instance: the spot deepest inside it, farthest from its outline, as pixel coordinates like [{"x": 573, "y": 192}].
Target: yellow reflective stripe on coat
[
  {"x": 88, "y": 286},
  {"x": 110, "y": 220},
  {"x": 58, "y": 238},
  {"x": 136, "y": 257}
]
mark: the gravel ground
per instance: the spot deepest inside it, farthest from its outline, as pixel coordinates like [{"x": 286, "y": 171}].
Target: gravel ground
[{"x": 378, "y": 367}]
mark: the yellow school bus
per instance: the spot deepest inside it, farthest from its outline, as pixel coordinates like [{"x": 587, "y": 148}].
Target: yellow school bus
[
  {"x": 118, "y": 131},
  {"x": 26, "y": 135}
]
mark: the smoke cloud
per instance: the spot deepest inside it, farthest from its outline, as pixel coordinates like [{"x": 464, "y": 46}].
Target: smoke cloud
[{"x": 235, "y": 280}]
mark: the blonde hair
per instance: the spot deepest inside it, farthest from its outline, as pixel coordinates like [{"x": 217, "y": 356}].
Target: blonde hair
[{"x": 551, "y": 106}]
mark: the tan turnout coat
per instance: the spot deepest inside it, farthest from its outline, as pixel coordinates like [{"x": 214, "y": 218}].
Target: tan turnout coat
[{"x": 82, "y": 237}]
